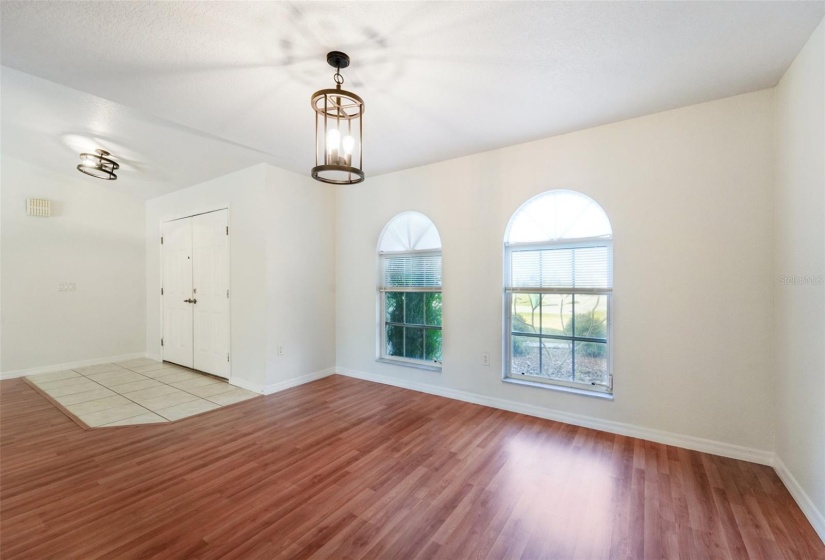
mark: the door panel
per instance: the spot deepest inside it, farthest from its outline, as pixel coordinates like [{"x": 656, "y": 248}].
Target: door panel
[
  {"x": 177, "y": 287},
  {"x": 210, "y": 285}
]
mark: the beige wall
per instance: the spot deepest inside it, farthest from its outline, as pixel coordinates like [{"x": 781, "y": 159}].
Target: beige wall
[
  {"x": 93, "y": 240},
  {"x": 300, "y": 277},
  {"x": 800, "y": 252},
  {"x": 689, "y": 195}
]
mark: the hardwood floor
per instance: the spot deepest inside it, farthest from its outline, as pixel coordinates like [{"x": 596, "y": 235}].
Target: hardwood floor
[{"x": 342, "y": 468}]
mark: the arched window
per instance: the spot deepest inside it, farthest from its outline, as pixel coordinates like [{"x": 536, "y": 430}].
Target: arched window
[
  {"x": 558, "y": 285},
  {"x": 409, "y": 292}
]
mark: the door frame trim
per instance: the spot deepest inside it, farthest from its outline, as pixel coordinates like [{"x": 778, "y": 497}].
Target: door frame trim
[{"x": 190, "y": 214}]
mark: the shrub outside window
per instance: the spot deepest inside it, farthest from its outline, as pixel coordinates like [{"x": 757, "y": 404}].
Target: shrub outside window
[
  {"x": 409, "y": 291},
  {"x": 558, "y": 289}
]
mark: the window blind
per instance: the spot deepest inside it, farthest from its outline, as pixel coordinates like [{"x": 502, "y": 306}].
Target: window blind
[
  {"x": 563, "y": 267},
  {"x": 411, "y": 271}
]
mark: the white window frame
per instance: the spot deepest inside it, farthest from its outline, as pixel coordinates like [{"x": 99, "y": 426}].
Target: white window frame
[
  {"x": 536, "y": 381},
  {"x": 382, "y": 317}
]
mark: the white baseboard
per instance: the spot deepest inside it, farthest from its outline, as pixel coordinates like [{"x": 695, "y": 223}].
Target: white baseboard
[
  {"x": 659, "y": 436},
  {"x": 294, "y": 382},
  {"x": 805, "y": 503},
  {"x": 283, "y": 385},
  {"x": 70, "y": 365},
  {"x": 248, "y": 385}
]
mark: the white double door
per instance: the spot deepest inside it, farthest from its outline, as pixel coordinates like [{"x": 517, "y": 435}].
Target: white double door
[{"x": 195, "y": 292}]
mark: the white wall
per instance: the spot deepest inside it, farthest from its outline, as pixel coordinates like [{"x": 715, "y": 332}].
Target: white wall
[
  {"x": 799, "y": 252},
  {"x": 282, "y": 262},
  {"x": 93, "y": 240},
  {"x": 689, "y": 196},
  {"x": 300, "y": 277}
]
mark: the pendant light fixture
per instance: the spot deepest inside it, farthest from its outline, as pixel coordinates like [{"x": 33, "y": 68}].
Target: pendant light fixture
[
  {"x": 339, "y": 151},
  {"x": 98, "y": 165}
]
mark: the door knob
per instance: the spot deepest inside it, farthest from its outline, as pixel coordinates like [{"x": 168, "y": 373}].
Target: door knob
[
  {"x": 188, "y": 301},
  {"x": 194, "y": 301}
]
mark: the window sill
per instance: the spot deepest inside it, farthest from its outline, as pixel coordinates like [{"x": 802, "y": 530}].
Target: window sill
[
  {"x": 560, "y": 388},
  {"x": 409, "y": 363}
]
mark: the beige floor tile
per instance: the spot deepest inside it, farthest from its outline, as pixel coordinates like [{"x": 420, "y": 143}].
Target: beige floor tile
[
  {"x": 148, "y": 418},
  {"x": 137, "y": 362},
  {"x": 112, "y": 379},
  {"x": 88, "y": 407},
  {"x": 97, "y": 369},
  {"x": 209, "y": 390},
  {"x": 111, "y": 374},
  {"x": 168, "y": 370},
  {"x": 165, "y": 401},
  {"x": 187, "y": 409},
  {"x": 69, "y": 382},
  {"x": 54, "y": 376},
  {"x": 131, "y": 392},
  {"x": 236, "y": 395},
  {"x": 136, "y": 386},
  {"x": 152, "y": 367},
  {"x": 85, "y": 396},
  {"x": 199, "y": 381},
  {"x": 177, "y": 376},
  {"x": 151, "y": 393},
  {"x": 80, "y": 388},
  {"x": 112, "y": 414}
]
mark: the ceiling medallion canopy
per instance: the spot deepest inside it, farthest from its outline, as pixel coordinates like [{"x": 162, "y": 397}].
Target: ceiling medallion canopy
[
  {"x": 339, "y": 151},
  {"x": 98, "y": 165}
]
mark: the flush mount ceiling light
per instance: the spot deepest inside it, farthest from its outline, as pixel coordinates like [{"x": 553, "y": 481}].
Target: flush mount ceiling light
[
  {"x": 339, "y": 129},
  {"x": 98, "y": 165}
]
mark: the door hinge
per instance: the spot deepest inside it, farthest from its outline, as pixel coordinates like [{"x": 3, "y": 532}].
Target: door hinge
[
  {"x": 161, "y": 240},
  {"x": 227, "y": 357},
  {"x": 227, "y": 230},
  {"x": 161, "y": 342},
  {"x": 161, "y": 291},
  {"x": 227, "y": 294}
]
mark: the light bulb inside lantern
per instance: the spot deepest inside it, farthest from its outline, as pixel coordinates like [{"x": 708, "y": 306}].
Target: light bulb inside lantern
[
  {"x": 333, "y": 139},
  {"x": 333, "y": 145},
  {"x": 90, "y": 161},
  {"x": 348, "y": 145}
]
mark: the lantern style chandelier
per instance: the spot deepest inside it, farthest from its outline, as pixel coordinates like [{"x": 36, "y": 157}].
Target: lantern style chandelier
[
  {"x": 339, "y": 150},
  {"x": 98, "y": 165}
]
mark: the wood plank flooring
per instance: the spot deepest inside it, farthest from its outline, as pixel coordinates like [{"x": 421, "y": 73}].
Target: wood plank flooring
[{"x": 342, "y": 468}]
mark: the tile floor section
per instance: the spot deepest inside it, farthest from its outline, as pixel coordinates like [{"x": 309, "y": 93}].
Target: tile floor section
[{"x": 140, "y": 391}]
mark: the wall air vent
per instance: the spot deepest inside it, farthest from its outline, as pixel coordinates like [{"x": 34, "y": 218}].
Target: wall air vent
[{"x": 38, "y": 207}]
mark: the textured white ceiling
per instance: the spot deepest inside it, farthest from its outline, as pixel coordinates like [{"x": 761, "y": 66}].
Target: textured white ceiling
[{"x": 440, "y": 79}]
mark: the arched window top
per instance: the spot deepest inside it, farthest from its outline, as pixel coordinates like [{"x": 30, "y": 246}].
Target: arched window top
[
  {"x": 556, "y": 216},
  {"x": 409, "y": 231}
]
